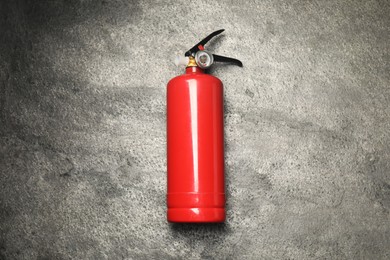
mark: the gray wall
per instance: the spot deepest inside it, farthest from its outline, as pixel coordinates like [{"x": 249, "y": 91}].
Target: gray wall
[{"x": 82, "y": 136}]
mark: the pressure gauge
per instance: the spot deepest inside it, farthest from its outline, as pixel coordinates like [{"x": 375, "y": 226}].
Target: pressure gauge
[{"x": 204, "y": 59}]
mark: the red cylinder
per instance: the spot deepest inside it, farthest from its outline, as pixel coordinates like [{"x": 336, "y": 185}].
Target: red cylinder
[{"x": 195, "y": 148}]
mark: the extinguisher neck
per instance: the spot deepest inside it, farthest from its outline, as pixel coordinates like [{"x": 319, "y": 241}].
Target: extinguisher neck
[{"x": 194, "y": 70}]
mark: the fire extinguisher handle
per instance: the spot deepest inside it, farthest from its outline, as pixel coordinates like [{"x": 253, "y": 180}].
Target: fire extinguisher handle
[
  {"x": 227, "y": 59},
  {"x": 203, "y": 42}
]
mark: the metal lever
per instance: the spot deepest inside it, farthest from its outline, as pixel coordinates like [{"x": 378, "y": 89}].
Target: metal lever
[
  {"x": 227, "y": 59},
  {"x": 202, "y": 43}
]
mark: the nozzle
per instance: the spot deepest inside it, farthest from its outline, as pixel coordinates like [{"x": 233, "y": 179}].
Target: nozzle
[{"x": 181, "y": 61}]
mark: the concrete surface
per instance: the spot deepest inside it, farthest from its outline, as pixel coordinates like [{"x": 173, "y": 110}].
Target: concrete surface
[{"x": 82, "y": 137}]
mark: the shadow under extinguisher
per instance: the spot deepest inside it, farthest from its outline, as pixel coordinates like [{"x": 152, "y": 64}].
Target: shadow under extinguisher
[{"x": 219, "y": 227}]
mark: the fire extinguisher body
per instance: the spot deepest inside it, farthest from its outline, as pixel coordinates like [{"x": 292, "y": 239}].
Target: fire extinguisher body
[{"x": 195, "y": 148}]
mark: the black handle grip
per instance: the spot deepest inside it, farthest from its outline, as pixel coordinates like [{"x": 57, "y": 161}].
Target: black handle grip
[{"x": 227, "y": 59}]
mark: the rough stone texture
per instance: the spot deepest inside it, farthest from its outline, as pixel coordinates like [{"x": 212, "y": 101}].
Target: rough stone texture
[{"x": 82, "y": 137}]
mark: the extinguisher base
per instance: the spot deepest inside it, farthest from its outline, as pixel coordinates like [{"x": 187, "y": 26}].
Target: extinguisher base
[{"x": 196, "y": 215}]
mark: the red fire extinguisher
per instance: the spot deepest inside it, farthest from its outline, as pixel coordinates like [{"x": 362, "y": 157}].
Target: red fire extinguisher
[{"x": 195, "y": 142}]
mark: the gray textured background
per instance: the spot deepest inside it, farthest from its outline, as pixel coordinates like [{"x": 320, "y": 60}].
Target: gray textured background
[{"x": 82, "y": 137}]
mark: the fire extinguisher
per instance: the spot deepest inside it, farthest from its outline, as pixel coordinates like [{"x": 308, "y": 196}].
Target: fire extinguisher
[{"x": 195, "y": 139}]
